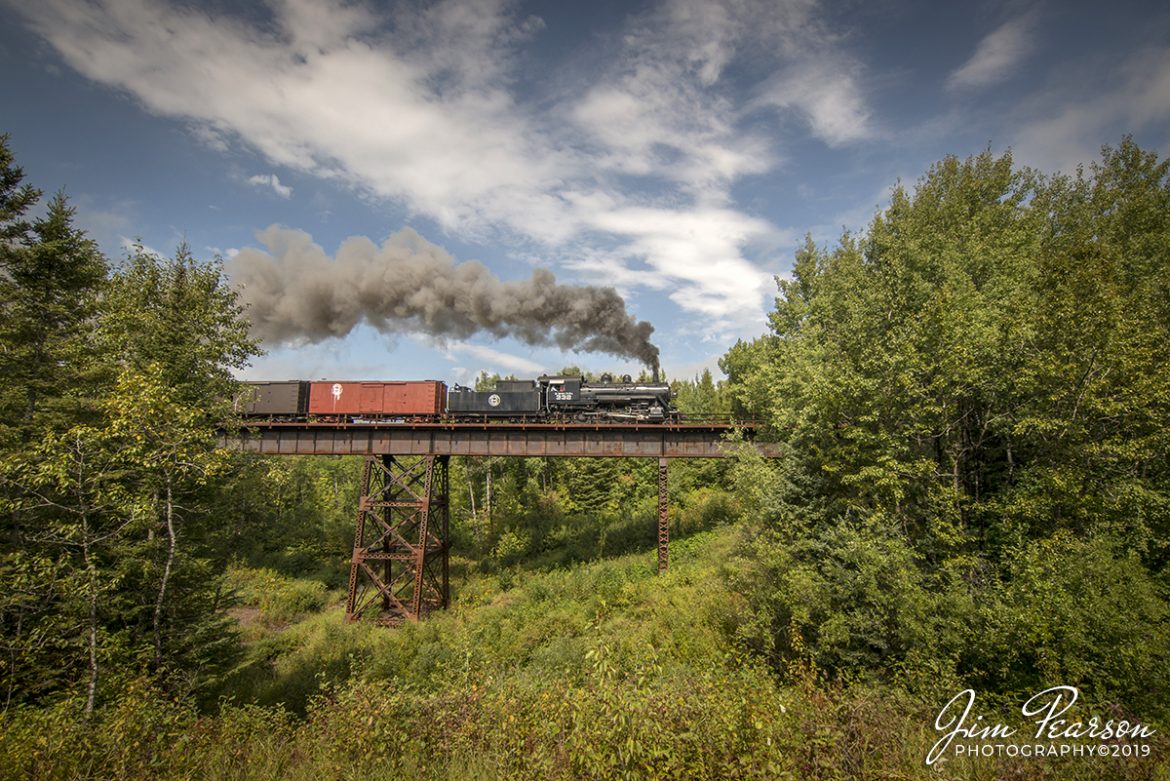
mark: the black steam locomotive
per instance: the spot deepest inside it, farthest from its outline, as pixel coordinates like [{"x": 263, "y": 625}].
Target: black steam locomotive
[{"x": 566, "y": 398}]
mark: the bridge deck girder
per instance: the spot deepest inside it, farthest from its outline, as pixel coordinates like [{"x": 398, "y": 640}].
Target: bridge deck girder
[{"x": 492, "y": 439}]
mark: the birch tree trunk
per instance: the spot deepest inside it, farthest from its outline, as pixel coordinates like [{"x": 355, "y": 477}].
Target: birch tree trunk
[{"x": 166, "y": 576}]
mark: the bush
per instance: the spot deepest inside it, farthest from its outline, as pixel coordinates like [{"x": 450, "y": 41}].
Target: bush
[
  {"x": 279, "y": 598},
  {"x": 1078, "y": 612}
]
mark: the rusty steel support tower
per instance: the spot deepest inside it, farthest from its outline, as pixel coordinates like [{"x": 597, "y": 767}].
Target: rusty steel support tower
[
  {"x": 400, "y": 546},
  {"x": 663, "y": 519}
]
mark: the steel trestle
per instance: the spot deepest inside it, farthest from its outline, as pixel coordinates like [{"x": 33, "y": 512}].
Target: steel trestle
[
  {"x": 401, "y": 543},
  {"x": 663, "y": 518}
]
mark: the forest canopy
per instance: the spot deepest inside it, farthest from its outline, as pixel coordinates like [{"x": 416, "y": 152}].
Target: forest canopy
[{"x": 975, "y": 398}]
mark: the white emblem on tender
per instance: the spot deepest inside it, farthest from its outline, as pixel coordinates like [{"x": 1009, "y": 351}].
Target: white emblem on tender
[{"x": 494, "y": 400}]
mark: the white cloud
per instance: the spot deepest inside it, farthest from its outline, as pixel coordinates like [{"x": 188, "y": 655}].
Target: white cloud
[
  {"x": 498, "y": 359},
  {"x": 635, "y": 167},
  {"x": 272, "y": 181},
  {"x": 228, "y": 253},
  {"x": 1066, "y": 128},
  {"x": 995, "y": 57},
  {"x": 131, "y": 246},
  {"x": 826, "y": 93},
  {"x": 699, "y": 248},
  {"x": 423, "y": 116}
]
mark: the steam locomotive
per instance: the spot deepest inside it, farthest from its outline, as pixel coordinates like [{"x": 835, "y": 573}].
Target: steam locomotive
[{"x": 545, "y": 399}]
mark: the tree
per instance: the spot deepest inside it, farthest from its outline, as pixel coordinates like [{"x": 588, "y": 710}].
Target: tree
[
  {"x": 15, "y": 200},
  {"x": 982, "y": 374},
  {"x": 174, "y": 331},
  {"x": 180, "y": 315},
  {"x": 50, "y": 275},
  {"x": 49, "y": 298},
  {"x": 170, "y": 450},
  {"x": 77, "y": 482},
  {"x": 50, "y": 279},
  {"x": 701, "y": 396}
]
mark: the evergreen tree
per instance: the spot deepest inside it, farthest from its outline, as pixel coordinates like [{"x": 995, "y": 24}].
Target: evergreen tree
[
  {"x": 181, "y": 316},
  {"x": 48, "y": 296},
  {"x": 15, "y": 201},
  {"x": 50, "y": 279}
]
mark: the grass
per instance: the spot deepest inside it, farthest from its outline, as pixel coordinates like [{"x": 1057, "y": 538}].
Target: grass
[
  {"x": 543, "y": 625},
  {"x": 596, "y": 671}
]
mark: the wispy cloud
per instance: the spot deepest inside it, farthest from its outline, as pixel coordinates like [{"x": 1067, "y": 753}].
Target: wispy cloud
[
  {"x": 271, "y": 181},
  {"x": 828, "y": 96},
  {"x": 1064, "y": 128},
  {"x": 996, "y": 56},
  {"x": 498, "y": 359},
  {"x": 108, "y": 223},
  {"x": 699, "y": 246},
  {"x": 131, "y": 246},
  {"x": 635, "y": 167}
]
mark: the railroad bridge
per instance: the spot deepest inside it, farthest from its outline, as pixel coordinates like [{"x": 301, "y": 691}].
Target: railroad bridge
[{"x": 400, "y": 553}]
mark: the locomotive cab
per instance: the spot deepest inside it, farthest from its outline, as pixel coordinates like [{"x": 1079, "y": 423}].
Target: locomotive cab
[{"x": 561, "y": 393}]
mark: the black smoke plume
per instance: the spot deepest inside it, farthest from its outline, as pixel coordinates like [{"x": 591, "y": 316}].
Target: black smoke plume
[{"x": 295, "y": 292}]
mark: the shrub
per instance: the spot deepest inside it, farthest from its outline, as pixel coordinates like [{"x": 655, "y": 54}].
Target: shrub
[{"x": 279, "y": 598}]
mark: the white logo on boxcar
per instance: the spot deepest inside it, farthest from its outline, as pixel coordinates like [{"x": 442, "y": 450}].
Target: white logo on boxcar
[{"x": 336, "y": 390}]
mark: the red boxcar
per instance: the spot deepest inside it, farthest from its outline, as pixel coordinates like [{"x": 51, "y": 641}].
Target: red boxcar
[{"x": 377, "y": 399}]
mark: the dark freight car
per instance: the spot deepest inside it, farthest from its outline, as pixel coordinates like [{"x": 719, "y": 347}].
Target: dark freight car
[
  {"x": 510, "y": 399},
  {"x": 422, "y": 399},
  {"x": 274, "y": 399}
]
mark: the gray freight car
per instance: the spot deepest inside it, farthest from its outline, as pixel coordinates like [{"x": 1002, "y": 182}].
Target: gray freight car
[{"x": 274, "y": 399}]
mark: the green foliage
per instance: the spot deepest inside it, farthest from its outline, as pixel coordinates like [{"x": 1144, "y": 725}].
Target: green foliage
[
  {"x": 702, "y": 396},
  {"x": 973, "y": 401},
  {"x": 1082, "y": 611},
  {"x": 602, "y": 671},
  {"x": 113, "y": 387},
  {"x": 293, "y": 515},
  {"x": 34, "y": 632},
  {"x": 542, "y": 627},
  {"x": 178, "y": 314},
  {"x": 582, "y": 673},
  {"x": 48, "y": 297},
  {"x": 278, "y": 598}
]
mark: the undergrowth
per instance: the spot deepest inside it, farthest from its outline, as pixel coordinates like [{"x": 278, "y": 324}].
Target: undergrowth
[{"x": 603, "y": 670}]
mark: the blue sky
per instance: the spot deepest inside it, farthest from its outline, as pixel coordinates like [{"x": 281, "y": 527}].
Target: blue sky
[{"x": 676, "y": 150}]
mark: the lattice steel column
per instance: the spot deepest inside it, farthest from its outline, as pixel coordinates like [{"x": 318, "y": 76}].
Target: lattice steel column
[
  {"x": 663, "y": 519},
  {"x": 402, "y": 525}
]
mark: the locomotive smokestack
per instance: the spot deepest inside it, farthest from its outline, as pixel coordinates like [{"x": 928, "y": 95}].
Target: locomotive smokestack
[
  {"x": 295, "y": 291},
  {"x": 654, "y": 373}
]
